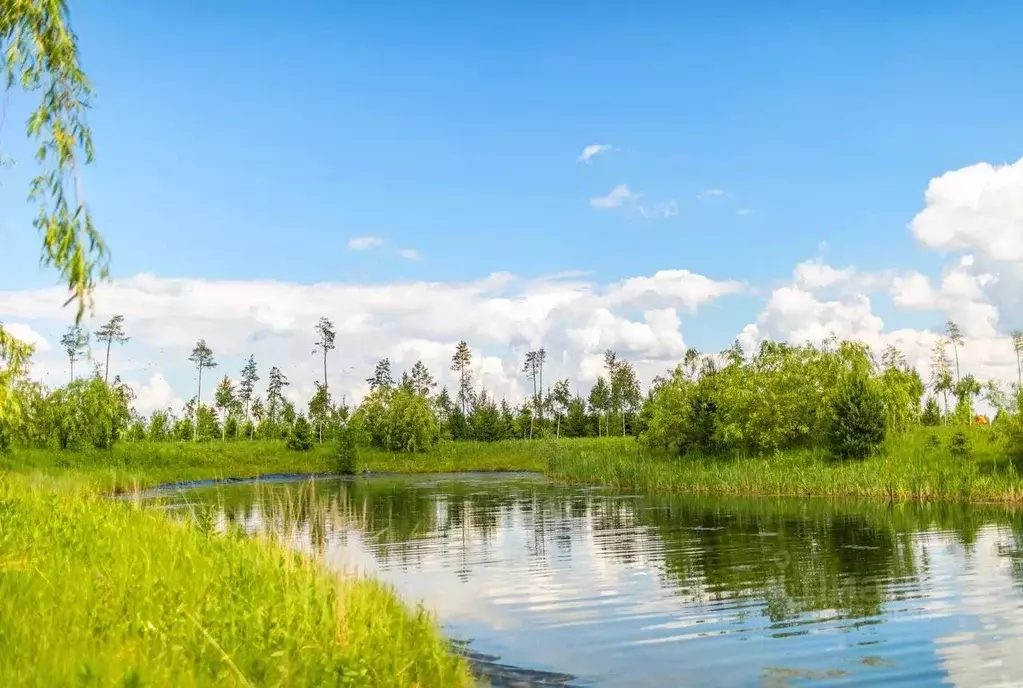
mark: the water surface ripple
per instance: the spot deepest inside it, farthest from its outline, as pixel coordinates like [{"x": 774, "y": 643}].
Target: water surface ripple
[{"x": 551, "y": 585}]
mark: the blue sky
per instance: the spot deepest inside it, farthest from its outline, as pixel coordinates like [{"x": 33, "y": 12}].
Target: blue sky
[{"x": 245, "y": 141}]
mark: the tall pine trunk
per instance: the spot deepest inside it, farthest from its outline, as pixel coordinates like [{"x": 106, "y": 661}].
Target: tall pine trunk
[
  {"x": 198, "y": 404},
  {"x": 106, "y": 369}
]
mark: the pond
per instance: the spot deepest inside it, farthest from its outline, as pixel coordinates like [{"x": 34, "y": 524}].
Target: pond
[{"x": 565, "y": 585}]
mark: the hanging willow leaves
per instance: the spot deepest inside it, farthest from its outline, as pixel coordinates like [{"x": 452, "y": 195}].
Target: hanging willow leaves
[
  {"x": 40, "y": 57},
  {"x": 14, "y": 357}
]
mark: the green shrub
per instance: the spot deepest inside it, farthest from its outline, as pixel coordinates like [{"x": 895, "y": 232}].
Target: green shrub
[
  {"x": 932, "y": 413},
  {"x": 347, "y": 453},
  {"x": 299, "y": 439},
  {"x": 857, "y": 427},
  {"x": 959, "y": 446},
  {"x": 934, "y": 441}
]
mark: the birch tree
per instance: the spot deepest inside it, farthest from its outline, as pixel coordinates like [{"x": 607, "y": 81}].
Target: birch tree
[{"x": 955, "y": 336}]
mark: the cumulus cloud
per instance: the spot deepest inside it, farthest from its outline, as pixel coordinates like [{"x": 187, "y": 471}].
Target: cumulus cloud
[
  {"x": 615, "y": 198},
  {"x": 26, "y": 334},
  {"x": 974, "y": 212},
  {"x": 593, "y": 150},
  {"x": 364, "y": 242},
  {"x": 155, "y": 394},
  {"x": 979, "y": 208},
  {"x": 500, "y": 315},
  {"x": 815, "y": 274}
]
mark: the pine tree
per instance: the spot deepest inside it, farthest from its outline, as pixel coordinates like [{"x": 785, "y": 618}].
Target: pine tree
[
  {"x": 460, "y": 363},
  {"x": 75, "y": 340},
  {"x": 112, "y": 332},
  {"x": 223, "y": 399},
  {"x": 247, "y": 387},
  {"x": 319, "y": 409},
  {"x": 421, "y": 380},
  {"x": 275, "y": 394},
  {"x": 382, "y": 378},
  {"x": 529, "y": 367},
  {"x": 857, "y": 427},
  {"x": 202, "y": 357},
  {"x": 932, "y": 413},
  {"x": 298, "y": 437},
  {"x": 325, "y": 328}
]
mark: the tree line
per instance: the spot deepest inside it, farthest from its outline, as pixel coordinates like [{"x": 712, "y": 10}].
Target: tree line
[{"x": 777, "y": 397}]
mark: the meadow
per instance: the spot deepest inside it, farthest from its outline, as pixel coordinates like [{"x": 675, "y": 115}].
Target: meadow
[{"x": 924, "y": 463}]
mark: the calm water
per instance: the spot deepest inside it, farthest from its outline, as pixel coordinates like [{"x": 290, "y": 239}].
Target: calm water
[{"x": 581, "y": 586}]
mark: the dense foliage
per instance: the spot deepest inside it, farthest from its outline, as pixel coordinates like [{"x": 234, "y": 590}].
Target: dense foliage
[{"x": 838, "y": 396}]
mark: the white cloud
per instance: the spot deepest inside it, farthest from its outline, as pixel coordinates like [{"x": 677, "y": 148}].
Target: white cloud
[
  {"x": 962, "y": 296},
  {"x": 665, "y": 209},
  {"x": 364, "y": 242},
  {"x": 409, "y": 253},
  {"x": 500, "y": 315},
  {"x": 155, "y": 394},
  {"x": 743, "y": 212},
  {"x": 979, "y": 208},
  {"x": 615, "y": 198},
  {"x": 593, "y": 150},
  {"x": 708, "y": 194},
  {"x": 622, "y": 195},
  {"x": 26, "y": 334},
  {"x": 814, "y": 274}
]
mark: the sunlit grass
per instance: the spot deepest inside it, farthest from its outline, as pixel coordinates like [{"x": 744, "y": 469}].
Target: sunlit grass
[
  {"x": 910, "y": 467},
  {"x": 95, "y": 591},
  {"x": 130, "y": 465}
]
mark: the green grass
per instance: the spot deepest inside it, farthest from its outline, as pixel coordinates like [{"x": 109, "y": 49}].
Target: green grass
[
  {"x": 909, "y": 468},
  {"x": 143, "y": 464},
  {"x": 95, "y": 591}
]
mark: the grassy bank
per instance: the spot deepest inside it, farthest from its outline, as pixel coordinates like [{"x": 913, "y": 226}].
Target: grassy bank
[
  {"x": 920, "y": 465},
  {"x": 99, "y": 592},
  {"x": 143, "y": 464}
]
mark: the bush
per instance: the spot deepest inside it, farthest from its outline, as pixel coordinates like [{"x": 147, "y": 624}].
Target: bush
[
  {"x": 299, "y": 438},
  {"x": 346, "y": 457},
  {"x": 960, "y": 446},
  {"x": 857, "y": 425},
  {"x": 934, "y": 441},
  {"x": 397, "y": 420}
]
